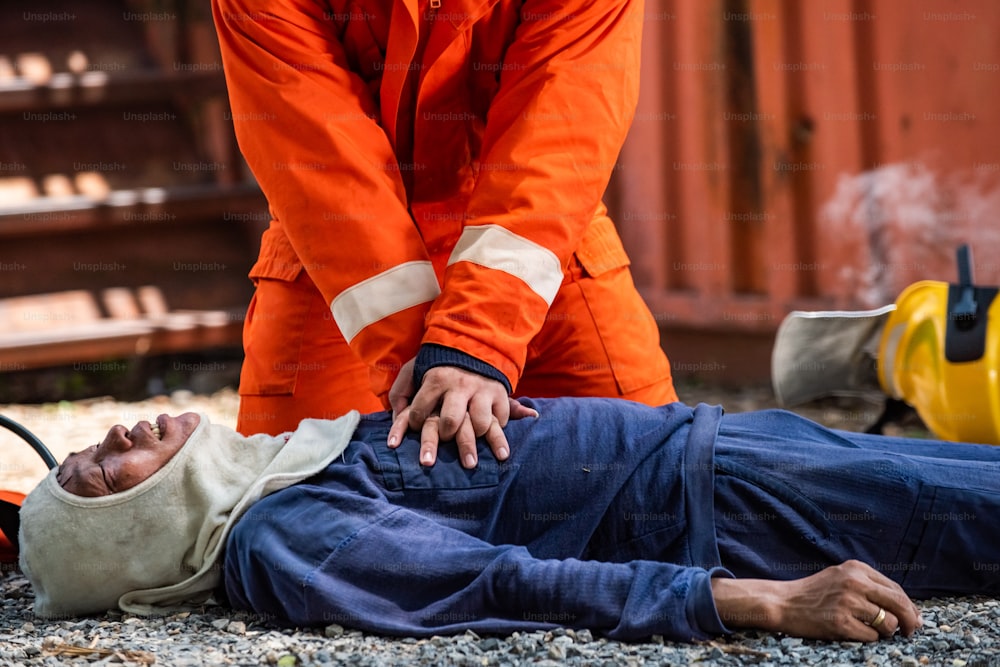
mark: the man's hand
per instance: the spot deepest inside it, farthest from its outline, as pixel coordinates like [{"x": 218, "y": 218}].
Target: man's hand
[
  {"x": 453, "y": 404},
  {"x": 838, "y": 603}
]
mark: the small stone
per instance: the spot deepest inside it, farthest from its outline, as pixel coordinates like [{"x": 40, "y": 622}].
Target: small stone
[
  {"x": 237, "y": 628},
  {"x": 557, "y": 651},
  {"x": 333, "y": 630},
  {"x": 909, "y": 661},
  {"x": 28, "y": 627},
  {"x": 489, "y": 644},
  {"x": 220, "y": 623},
  {"x": 584, "y": 636}
]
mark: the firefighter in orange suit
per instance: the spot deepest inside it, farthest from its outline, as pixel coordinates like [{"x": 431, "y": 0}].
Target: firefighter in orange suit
[{"x": 434, "y": 170}]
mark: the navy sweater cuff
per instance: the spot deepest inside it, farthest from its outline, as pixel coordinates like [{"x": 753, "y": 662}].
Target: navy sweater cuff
[
  {"x": 432, "y": 355},
  {"x": 702, "y": 603}
]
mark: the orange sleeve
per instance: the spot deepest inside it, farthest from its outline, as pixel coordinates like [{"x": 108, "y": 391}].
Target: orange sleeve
[
  {"x": 309, "y": 129},
  {"x": 567, "y": 95}
]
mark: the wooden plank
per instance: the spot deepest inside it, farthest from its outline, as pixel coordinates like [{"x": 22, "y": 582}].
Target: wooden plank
[
  {"x": 241, "y": 202},
  {"x": 114, "y": 339},
  {"x": 28, "y": 316},
  {"x": 96, "y": 88}
]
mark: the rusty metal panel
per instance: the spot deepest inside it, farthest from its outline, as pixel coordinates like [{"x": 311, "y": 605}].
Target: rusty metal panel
[{"x": 818, "y": 154}]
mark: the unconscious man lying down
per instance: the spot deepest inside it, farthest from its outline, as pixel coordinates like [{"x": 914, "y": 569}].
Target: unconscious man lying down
[{"x": 609, "y": 515}]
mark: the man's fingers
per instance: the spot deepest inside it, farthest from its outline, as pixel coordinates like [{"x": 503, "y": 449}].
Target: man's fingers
[
  {"x": 497, "y": 441},
  {"x": 901, "y": 614},
  {"x": 398, "y": 429},
  {"x": 402, "y": 388},
  {"x": 398, "y": 405},
  {"x": 501, "y": 409},
  {"x": 423, "y": 406},
  {"x": 891, "y": 596},
  {"x": 519, "y": 410},
  {"x": 465, "y": 440},
  {"x": 429, "y": 441},
  {"x": 454, "y": 411},
  {"x": 879, "y": 619},
  {"x": 481, "y": 414}
]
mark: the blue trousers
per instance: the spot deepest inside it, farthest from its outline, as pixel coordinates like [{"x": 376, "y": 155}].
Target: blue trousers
[
  {"x": 613, "y": 516},
  {"x": 792, "y": 497}
]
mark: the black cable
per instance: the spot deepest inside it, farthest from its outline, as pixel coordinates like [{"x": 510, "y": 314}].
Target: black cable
[{"x": 31, "y": 439}]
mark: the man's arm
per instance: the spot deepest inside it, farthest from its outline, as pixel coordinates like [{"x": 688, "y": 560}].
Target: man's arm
[
  {"x": 567, "y": 94},
  {"x": 309, "y": 128},
  {"x": 389, "y": 570}
]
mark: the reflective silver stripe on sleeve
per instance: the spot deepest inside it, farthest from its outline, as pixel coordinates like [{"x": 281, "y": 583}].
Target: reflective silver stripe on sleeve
[
  {"x": 498, "y": 248},
  {"x": 380, "y": 296}
]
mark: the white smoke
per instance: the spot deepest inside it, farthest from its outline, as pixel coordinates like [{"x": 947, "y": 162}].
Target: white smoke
[{"x": 902, "y": 222}]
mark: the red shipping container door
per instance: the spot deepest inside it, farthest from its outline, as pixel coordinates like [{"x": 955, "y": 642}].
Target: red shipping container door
[{"x": 805, "y": 155}]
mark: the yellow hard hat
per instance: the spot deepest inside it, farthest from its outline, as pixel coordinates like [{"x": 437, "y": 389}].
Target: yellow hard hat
[{"x": 938, "y": 352}]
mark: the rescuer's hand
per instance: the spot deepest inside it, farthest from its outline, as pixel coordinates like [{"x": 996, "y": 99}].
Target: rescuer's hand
[{"x": 453, "y": 404}]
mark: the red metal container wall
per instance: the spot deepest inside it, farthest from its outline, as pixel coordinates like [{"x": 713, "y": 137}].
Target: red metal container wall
[{"x": 806, "y": 155}]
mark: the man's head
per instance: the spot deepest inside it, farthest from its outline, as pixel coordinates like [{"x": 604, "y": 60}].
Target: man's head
[
  {"x": 121, "y": 515},
  {"x": 125, "y": 457},
  {"x": 139, "y": 521}
]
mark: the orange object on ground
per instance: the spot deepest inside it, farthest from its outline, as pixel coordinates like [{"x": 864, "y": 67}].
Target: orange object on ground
[
  {"x": 9, "y": 500},
  {"x": 435, "y": 175}
]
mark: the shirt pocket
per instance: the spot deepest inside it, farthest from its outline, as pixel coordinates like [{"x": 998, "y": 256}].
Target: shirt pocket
[{"x": 401, "y": 467}]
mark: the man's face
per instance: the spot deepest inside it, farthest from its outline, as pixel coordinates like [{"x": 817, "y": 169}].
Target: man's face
[{"x": 125, "y": 458}]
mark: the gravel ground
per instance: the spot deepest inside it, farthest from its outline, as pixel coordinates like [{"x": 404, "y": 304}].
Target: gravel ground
[{"x": 957, "y": 632}]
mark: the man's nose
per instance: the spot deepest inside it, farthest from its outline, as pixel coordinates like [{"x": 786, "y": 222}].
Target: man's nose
[{"x": 121, "y": 439}]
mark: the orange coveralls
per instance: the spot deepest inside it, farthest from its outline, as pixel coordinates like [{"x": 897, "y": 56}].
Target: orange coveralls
[{"x": 434, "y": 170}]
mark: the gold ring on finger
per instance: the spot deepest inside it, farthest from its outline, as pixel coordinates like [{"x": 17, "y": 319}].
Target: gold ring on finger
[{"x": 879, "y": 618}]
